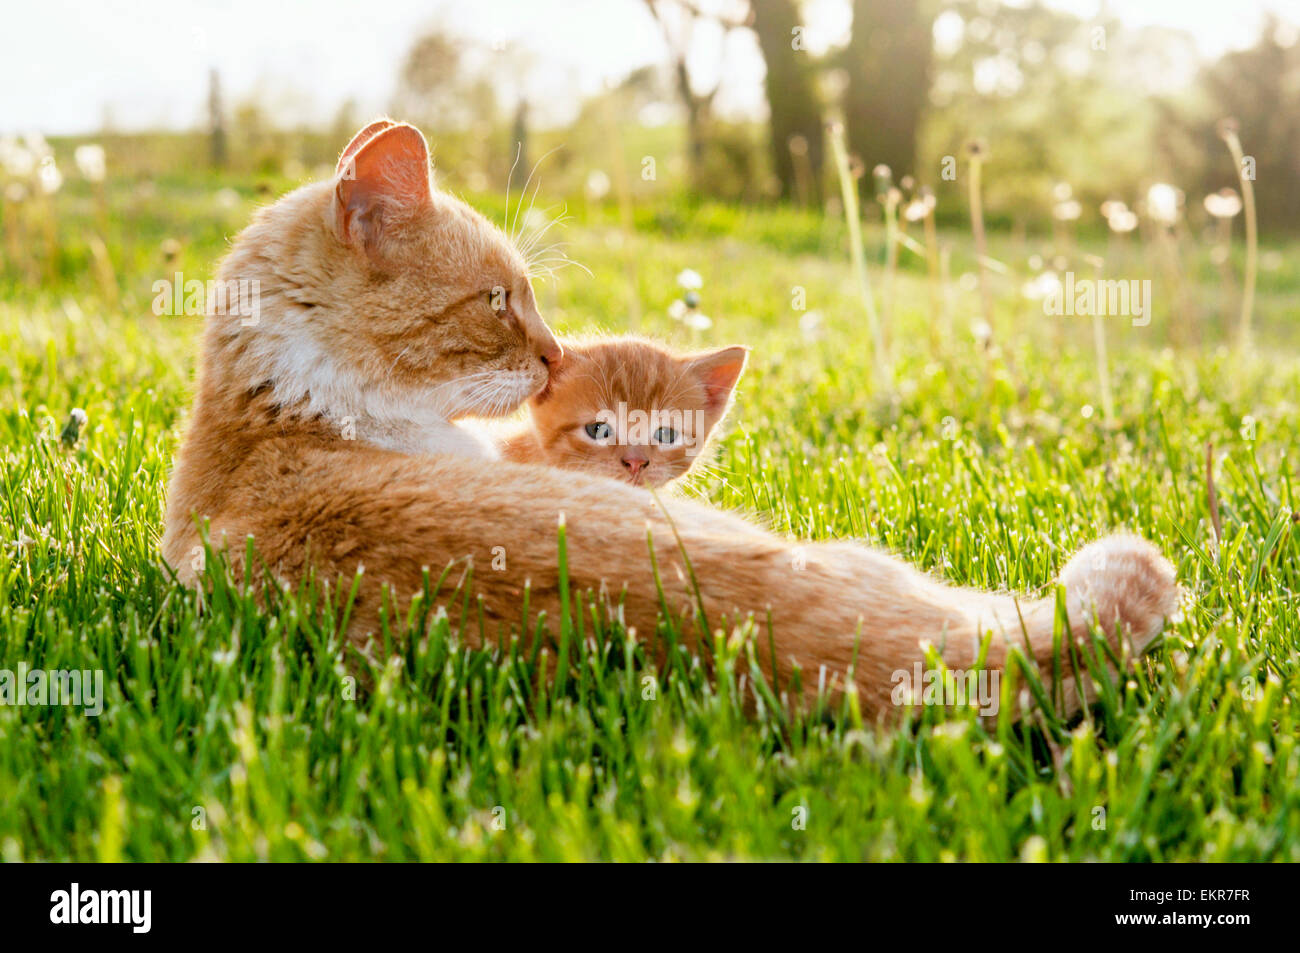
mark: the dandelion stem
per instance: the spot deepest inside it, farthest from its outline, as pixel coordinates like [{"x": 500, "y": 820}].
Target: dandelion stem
[
  {"x": 849, "y": 193},
  {"x": 891, "y": 264},
  {"x": 981, "y": 247},
  {"x": 1103, "y": 363},
  {"x": 932, "y": 267},
  {"x": 1252, "y": 239}
]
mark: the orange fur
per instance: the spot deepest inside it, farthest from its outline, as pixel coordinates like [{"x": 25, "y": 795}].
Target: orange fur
[
  {"x": 377, "y": 309},
  {"x": 642, "y": 393}
]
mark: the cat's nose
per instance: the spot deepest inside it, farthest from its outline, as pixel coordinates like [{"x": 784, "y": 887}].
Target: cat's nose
[
  {"x": 540, "y": 338},
  {"x": 635, "y": 463},
  {"x": 551, "y": 356}
]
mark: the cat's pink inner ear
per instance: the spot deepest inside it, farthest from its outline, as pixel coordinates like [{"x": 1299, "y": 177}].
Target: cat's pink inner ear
[
  {"x": 718, "y": 371},
  {"x": 387, "y": 175},
  {"x": 360, "y": 139}
]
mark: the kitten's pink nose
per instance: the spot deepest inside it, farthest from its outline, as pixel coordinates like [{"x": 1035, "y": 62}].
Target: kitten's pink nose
[{"x": 635, "y": 463}]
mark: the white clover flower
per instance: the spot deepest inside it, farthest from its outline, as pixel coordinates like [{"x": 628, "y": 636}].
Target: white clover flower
[
  {"x": 697, "y": 321},
  {"x": 690, "y": 279},
  {"x": 677, "y": 310},
  {"x": 91, "y": 162},
  {"x": 227, "y": 198}
]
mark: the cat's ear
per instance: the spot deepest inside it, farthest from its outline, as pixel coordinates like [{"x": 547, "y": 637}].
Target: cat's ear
[
  {"x": 382, "y": 180},
  {"x": 718, "y": 371},
  {"x": 359, "y": 140}
]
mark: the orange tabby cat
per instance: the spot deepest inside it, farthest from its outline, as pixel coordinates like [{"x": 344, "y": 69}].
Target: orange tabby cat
[
  {"x": 627, "y": 408},
  {"x": 325, "y": 427}
]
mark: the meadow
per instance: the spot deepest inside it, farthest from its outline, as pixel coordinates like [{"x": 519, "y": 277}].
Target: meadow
[{"x": 230, "y": 732}]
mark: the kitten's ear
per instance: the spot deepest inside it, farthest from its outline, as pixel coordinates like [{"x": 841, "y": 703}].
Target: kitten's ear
[
  {"x": 360, "y": 139},
  {"x": 718, "y": 371},
  {"x": 383, "y": 178}
]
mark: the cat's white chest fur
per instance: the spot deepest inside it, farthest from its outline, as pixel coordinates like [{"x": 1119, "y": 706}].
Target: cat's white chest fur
[{"x": 408, "y": 421}]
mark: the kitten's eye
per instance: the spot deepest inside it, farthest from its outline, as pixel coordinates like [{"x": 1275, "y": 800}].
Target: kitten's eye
[
  {"x": 665, "y": 435},
  {"x": 498, "y": 299},
  {"x": 599, "y": 430}
]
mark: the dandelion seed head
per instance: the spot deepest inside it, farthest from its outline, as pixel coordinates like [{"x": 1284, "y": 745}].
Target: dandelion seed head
[
  {"x": 1067, "y": 211},
  {"x": 91, "y": 162},
  {"x": 49, "y": 177},
  {"x": 1163, "y": 202},
  {"x": 1225, "y": 203},
  {"x": 597, "y": 185}
]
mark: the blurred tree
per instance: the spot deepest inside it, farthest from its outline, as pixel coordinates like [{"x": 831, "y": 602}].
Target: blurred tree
[
  {"x": 1053, "y": 96},
  {"x": 679, "y": 19},
  {"x": 888, "y": 63},
  {"x": 1260, "y": 88},
  {"x": 346, "y": 122},
  {"x": 441, "y": 87},
  {"x": 448, "y": 86},
  {"x": 519, "y": 133},
  {"x": 216, "y": 119},
  {"x": 796, "y": 121}
]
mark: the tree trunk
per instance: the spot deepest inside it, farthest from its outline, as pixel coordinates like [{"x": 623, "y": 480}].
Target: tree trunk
[
  {"x": 796, "y": 123},
  {"x": 888, "y": 60}
]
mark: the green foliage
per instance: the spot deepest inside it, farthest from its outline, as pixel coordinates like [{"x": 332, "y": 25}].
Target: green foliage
[{"x": 986, "y": 465}]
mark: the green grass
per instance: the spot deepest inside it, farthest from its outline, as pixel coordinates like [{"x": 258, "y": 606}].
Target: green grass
[{"x": 984, "y": 465}]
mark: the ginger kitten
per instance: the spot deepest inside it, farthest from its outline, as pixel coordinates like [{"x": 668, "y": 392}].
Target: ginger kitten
[
  {"x": 324, "y": 428},
  {"x": 629, "y": 409}
]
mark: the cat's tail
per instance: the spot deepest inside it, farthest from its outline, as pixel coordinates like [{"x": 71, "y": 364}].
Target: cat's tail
[
  {"x": 1123, "y": 581},
  {"x": 853, "y": 609},
  {"x": 1121, "y": 587}
]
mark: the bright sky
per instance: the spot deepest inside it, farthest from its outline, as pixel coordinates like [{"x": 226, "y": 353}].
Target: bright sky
[{"x": 68, "y": 62}]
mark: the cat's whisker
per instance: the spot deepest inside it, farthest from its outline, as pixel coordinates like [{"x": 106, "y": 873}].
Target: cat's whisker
[
  {"x": 536, "y": 166},
  {"x": 530, "y": 241},
  {"x": 549, "y": 269},
  {"x": 532, "y": 247},
  {"x": 519, "y": 149}
]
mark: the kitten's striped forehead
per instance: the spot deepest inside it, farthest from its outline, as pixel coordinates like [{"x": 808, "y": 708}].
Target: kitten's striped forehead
[{"x": 630, "y": 372}]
